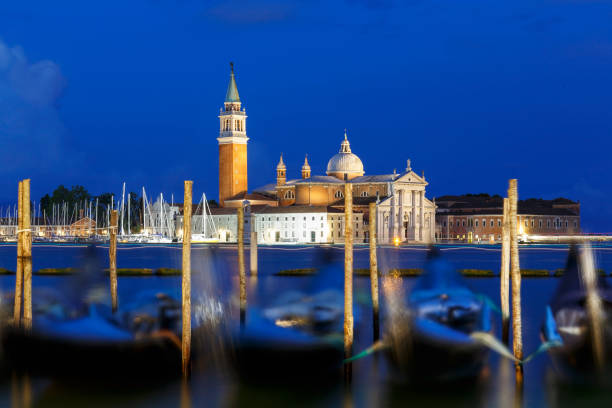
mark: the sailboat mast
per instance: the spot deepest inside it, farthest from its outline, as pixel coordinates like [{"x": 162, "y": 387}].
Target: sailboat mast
[
  {"x": 144, "y": 211},
  {"x": 161, "y": 207},
  {"x": 97, "y": 226},
  {"x": 129, "y": 228},
  {"x": 122, "y": 208}
]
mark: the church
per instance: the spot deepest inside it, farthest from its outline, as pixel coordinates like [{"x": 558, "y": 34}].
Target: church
[{"x": 404, "y": 214}]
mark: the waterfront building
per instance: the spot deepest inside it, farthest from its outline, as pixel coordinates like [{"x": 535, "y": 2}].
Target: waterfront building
[
  {"x": 82, "y": 228},
  {"x": 478, "y": 218},
  {"x": 303, "y": 224},
  {"x": 404, "y": 213},
  {"x": 161, "y": 218}
]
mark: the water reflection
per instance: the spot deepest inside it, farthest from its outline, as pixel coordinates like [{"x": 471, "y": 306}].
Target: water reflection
[{"x": 215, "y": 314}]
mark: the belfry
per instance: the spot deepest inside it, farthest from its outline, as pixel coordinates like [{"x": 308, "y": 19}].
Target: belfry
[{"x": 232, "y": 144}]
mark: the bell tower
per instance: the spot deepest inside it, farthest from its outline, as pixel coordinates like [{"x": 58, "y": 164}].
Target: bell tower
[{"x": 232, "y": 144}]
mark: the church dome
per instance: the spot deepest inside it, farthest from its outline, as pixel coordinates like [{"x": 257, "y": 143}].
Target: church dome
[{"x": 345, "y": 162}]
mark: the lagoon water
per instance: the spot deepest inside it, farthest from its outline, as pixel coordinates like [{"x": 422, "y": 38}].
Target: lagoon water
[{"x": 215, "y": 279}]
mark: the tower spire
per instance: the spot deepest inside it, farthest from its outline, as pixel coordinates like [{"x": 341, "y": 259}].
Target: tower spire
[
  {"x": 232, "y": 90},
  {"x": 306, "y": 168},
  {"x": 281, "y": 172}
]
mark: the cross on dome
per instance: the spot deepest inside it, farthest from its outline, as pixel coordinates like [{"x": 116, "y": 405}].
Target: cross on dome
[{"x": 345, "y": 147}]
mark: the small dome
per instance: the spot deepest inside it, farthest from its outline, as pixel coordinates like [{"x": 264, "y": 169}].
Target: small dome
[{"x": 345, "y": 162}]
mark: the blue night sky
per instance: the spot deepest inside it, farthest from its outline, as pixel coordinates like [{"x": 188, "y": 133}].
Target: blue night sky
[{"x": 474, "y": 92}]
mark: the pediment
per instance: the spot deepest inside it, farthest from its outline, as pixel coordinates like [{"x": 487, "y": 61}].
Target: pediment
[{"x": 411, "y": 177}]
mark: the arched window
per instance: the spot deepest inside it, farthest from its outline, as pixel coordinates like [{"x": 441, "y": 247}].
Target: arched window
[
  {"x": 339, "y": 194},
  {"x": 289, "y": 194}
]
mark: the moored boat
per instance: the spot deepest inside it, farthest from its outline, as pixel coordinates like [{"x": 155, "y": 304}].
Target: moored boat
[
  {"x": 297, "y": 339},
  {"x": 567, "y": 330},
  {"x": 430, "y": 336}
]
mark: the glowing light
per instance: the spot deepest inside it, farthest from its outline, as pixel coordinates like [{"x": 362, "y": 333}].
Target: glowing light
[
  {"x": 291, "y": 322},
  {"x": 396, "y": 241}
]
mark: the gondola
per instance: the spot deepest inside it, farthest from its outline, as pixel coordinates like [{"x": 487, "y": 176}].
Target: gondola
[
  {"x": 566, "y": 330},
  {"x": 297, "y": 339},
  {"x": 131, "y": 345},
  {"x": 429, "y": 336},
  {"x": 75, "y": 334}
]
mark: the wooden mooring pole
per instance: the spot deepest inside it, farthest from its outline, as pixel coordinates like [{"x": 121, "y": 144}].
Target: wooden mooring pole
[
  {"x": 505, "y": 274},
  {"x": 253, "y": 252},
  {"x": 186, "y": 275},
  {"x": 112, "y": 255},
  {"x": 374, "y": 273},
  {"x": 517, "y": 336},
  {"x": 26, "y": 246},
  {"x": 19, "y": 273},
  {"x": 348, "y": 278},
  {"x": 594, "y": 307},
  {"x": 241, "y": 268}
]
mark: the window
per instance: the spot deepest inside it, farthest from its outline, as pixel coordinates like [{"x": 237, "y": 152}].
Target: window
[
  {"x": 364, "y": 194},
  {"x": 293, "y": 234},
  {"x": 476, "y": 222},
  {"x": 532, "y": 223},
  {"x": 526, "y": 223},
  {"x": 457, "y": 222},
  {"x": 540, "y": 223},
  {"x": 444, "y": 224},
  {"x": 575, "y": 224},
  {"x": 289, "y": 194},
  {"x": 338, "y": 194},
  {"x": 548, "y": 223},
  {"x": 313, "y": 218},
  {"x": 303, "y": 234},
  {"x": 484, "y": 223},
  {"x": 565, "y": 224},
  {"x": 463, "y": 223},
  {"x": 492, "y": 223},
  {"x": 321, "y": 233}
]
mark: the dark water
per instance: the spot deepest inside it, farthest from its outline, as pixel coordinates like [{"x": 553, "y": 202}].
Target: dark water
[{"x": 215, "y": 279}]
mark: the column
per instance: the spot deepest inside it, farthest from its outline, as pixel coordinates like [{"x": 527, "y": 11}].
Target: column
[
  {"x": 393, "y": 216},
  {"x": 414, "y": 216},
  {"x": 400, "y": 215},
  {"x": 432, "y": 225},
  {"x": 422, "y": 217}
]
